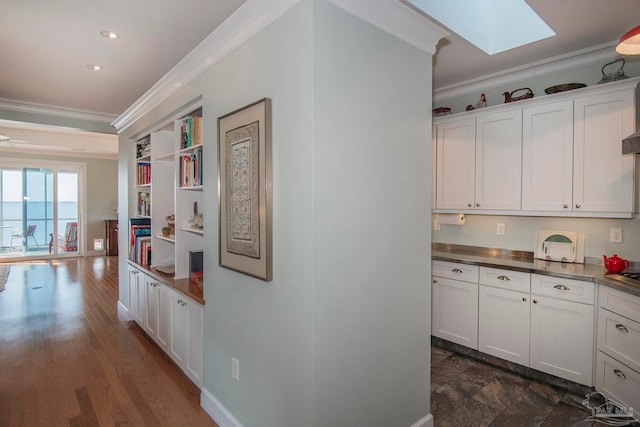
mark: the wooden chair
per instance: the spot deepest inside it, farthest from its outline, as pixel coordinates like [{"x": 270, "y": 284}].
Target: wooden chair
[{"x": 68, "y": 242}]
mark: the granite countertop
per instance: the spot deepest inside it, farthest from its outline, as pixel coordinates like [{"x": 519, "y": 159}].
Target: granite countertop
[{"x": 525, "y": 262}]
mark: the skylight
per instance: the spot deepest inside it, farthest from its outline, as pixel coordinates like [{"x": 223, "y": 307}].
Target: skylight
[{"x": 491, "y": 25}]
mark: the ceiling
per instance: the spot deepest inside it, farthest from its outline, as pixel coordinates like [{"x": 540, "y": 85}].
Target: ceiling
[{"x": 46, "y": 46}]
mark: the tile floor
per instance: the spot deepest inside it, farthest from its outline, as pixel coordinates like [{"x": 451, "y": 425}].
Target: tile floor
[{"x": 469, "y": 392}]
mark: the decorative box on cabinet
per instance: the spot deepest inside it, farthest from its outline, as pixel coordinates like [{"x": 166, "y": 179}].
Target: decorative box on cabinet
[
  {"x": 455, "y": 303},
  {"x": 618, "y": 338}
]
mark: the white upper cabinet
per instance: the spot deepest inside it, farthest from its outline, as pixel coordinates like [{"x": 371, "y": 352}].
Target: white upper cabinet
[
  {"x": 603, "y": 177},
  {"x": 557, "y": 155},
  {"x": 547, "y": 157},
  {"x": 455, "y": 164},
  {"x": 498, "y": 161}
]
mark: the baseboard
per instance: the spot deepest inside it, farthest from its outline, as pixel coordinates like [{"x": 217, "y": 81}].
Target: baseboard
[
  {"x": 217, "y": 411},
  {"x": 427, "y": 421},
  {"x": 96, "y": 253},
  {"x": 123, "y": 311}
]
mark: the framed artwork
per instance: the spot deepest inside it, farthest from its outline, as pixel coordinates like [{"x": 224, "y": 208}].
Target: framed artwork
[{"x": 245, "y": 189}]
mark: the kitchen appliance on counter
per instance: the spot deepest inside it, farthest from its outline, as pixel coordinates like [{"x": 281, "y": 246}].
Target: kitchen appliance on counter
[{"x": 563, "y": 246}]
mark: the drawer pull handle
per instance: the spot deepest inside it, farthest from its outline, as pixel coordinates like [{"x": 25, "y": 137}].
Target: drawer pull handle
[
  {"x": 562, "y": 287},
  {"x": 456, "y": 270},
  {"x": 622, "y": 328},
  {"x": 620, "y": 374},
  {"x": 504, "y": 278}
]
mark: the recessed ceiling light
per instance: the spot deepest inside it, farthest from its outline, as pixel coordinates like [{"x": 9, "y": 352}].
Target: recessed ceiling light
[
  {"x": 94, "y": 67},
  {"x": 109, "y": 34}
]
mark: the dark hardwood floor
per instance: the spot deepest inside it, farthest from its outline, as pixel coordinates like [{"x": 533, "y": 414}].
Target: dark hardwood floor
[{"x": 66, "y": 359}]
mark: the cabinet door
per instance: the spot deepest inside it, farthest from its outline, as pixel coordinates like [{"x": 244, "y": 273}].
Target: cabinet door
[
  {"x": 617, "y": 381},
  {"x": 134, "y": 274},
  {"x": 455, "y": 311},
  {"x": 499, "y": 161},
  {"x": 141, "y": 312},
  {"x": 194, "y": 333},
  {"x": 562, "y": 338},
  {"x": 153, "y": 289},
  {"x": 455, "y": 164},
  {"x": 164, "y": 317},
  {"x": 603, "y": 178},
  {"x": 547, "y": 157},
  {"x": 503, "y": 324},
  {"x": 177, "y": 328}
]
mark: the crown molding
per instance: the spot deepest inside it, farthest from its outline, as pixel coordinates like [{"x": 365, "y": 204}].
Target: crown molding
[
  {"x": 392, "y": 16},
  {"x": 244, "y": 23},
  {"x": 397, "y": 19},
  {"x": 51, "y": 110},
  {"x": 572, "y": 60}
]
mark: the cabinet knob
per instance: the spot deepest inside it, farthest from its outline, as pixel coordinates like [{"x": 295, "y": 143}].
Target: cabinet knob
[
  {"x": 469, "y": 205},
  {"x": 535, "y": 301},
  {"x": 620, "y": 374},
  {"x": 456, "y": 270},
  {"x": 524, "y": 299},
  {"x": 179, "y": 301},
  {"x": 562, "y": 288},
  {"x": 477, "y": 205},
  {"x": 565, "y": 206},
  {"x": 578, "y": 206},
  {"x": 183, "y": 303},
  {"x": 435, "y": 281},
  {"x": 504, "y": 278},
  {"x": 622, "y": 328}
]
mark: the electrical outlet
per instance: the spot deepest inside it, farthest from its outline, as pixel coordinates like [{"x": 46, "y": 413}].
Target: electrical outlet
[
  {"x": 500, "y": 229},
  {"x": 235, "y": 369},
  {"x": 615, "y": 235}
]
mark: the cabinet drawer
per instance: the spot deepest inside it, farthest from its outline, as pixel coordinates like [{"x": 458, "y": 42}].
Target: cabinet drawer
[
  {"x": 619, "y": 337},
  {"x": 506, "y": 279},
  {"x": 454, "y": 270},
  {"x": 566, "y": 289},
  {"x": 620, "y": 302},
  {"x": 617, "y": 381}
]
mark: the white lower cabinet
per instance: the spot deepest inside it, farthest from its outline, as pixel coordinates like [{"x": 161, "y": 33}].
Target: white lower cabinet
[
  {"x": 455, "y": 303},
  {"x": 503, "y": 326},
  {"x": 618, "y": 338},
  {"x": 544, "y": 322},
  {"x": 562, "y": 327},
  {"x": 186, "y": 335},
  {"x": 175, "y": 322}
]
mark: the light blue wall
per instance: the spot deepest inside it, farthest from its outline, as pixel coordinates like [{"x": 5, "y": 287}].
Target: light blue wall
[
  {"x": 480, "y": 230},
  {"x": 371, "y": 168},
  {"x": 340, "y": 336}
]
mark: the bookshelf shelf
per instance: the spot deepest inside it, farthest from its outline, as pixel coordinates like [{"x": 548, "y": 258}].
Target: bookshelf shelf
[
  {"x": 166, "y": 239},
  {"x": 193, "y": 230}
]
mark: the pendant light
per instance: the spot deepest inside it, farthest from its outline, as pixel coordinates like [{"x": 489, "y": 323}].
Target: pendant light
[{"x": 630, "y": 42}]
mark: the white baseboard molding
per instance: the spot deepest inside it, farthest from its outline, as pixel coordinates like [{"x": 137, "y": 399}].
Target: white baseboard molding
[
  {"x": 427, "y": 421},
  {"x": 123, "y": 311},
  {"x": 217, "y": 411}
]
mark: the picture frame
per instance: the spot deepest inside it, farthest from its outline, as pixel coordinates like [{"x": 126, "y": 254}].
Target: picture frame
[{"x": 245, "y": 190}]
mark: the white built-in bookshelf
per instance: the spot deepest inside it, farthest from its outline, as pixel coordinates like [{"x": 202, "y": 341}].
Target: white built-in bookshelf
[{"x": 168, "y": 183}]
